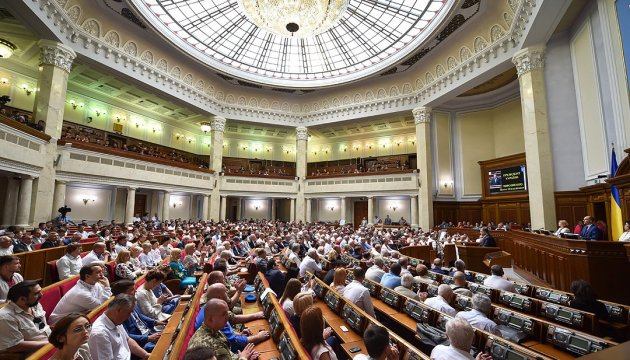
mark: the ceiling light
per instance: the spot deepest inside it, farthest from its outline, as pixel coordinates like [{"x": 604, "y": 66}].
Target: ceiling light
[
  {"x": 6, "y": 48},
  {"x": 205, "y": 127},
  {"x": 302, "y": 18}
]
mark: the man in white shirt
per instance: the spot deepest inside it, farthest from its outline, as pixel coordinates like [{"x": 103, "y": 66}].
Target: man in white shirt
[
  {"x": 376, "y": 271},
  {"x": 377, "y": 343},
  {"x": 406, "y": 283},
  {"x": 309, "y": 263},
  {"x": 442, "y": 301},
  {"x": 81, "y": 231},
  {"x": 9, "y": 274},
  {"x": 460, "y": 335},
  {"x": 294, "y": 256},
  {"x": 91, "y": 291},
  {"x": 108, "y": 338},
  {"x": 358, "y": 294},
  {"x": 6, "y": 246},
  {"x": 496, "y": 280},
  {"x": 478, "y": 316},
  {"x": 70, "y": 264},
  {"x": 97, "y": 255},
  {"x": 24, "y": 327}
]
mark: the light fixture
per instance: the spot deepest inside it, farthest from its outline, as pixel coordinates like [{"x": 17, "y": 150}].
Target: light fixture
[
  {"x": 256, "y": 207},
  {"x": 87, "y": 198},
  {"x": 332, "y": 208},
  {"x": 303, "y": 18},
  {"x": 356, "y": 148},
  {"x": 100, "y": 112},
  {"x": 205, "y": 127},
  {"x": 344, "y": 149},
  {"x": 178, "y": 135},
  {"x": 138, "y": 123},
  {"x": 155, "y": 128},
  {"x": 393, "y": 208},
  {"x": 190, "y": 140},
  {"x": 26, "y": 89},
  {"x": 176, "y": 204},
  {"x": 75, "y": 104},
  {"x": 412, "y": 141},
  {"x": 6, "y": 48},
  {"x": 4, "y": 81},
  {"x": 244, "y": 148}
]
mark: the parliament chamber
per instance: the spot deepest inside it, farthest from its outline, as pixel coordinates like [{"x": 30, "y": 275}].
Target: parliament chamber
[{"x": 434, "y": 179}]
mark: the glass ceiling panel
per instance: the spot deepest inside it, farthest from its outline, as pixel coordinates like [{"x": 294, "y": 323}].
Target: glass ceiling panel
[{"x": 370, "y": 36}]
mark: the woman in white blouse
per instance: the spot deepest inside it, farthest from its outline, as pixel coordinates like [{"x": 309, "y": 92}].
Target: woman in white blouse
[
  {"x": 563, "y": 227},
  {"x": 286, "y": 301},
  {"x": 625, "y": 236},
  {"x": 149, "y": 304}
]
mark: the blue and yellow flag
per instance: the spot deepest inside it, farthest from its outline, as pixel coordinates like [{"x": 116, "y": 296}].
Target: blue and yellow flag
[{"x": 616, "y": 223}]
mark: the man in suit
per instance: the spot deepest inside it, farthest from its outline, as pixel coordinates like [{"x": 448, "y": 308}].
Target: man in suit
[
  {"x": 486, "y": 239},
  {"x": 388, "y": 220},
  {"x": 590, "y": 230},
  {"x": 437, "y": 267},
  {"x": 495, "y": 180}
]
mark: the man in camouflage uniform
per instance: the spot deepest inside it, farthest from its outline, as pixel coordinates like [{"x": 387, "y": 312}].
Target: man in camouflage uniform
[{"x": 209, "y": 334}]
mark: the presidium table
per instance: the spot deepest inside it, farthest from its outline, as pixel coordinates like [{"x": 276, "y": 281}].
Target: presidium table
[{"x": 551, "y": 261}]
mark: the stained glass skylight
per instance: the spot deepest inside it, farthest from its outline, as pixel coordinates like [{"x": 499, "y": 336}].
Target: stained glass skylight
[{"x": 370, "y": 36}]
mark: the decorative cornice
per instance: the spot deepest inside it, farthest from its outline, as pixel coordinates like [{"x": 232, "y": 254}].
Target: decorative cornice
[
  {"x": 19, "y": 167},
  {"x": 529, "y": 59},
  {"x": 218, "y": 124},
  {"x": 56, "y": 54},
  {"x": 422, "y": 115},
  {"x": 301, "y": 133}
]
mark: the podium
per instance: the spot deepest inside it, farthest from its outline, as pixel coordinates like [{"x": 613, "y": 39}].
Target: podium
[
  {"x": 502, "y": 258},
  {"x": 474, "y": 257}
]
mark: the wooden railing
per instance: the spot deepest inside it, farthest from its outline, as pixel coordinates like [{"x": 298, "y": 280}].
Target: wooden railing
[
  {"x": 365, "y": 173},
  {"x": 24, "y": 128}
]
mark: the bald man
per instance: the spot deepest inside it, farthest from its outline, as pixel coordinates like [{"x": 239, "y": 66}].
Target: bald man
[
  {"x": 442, "y": 301},
  {"x": 210, "y": 334}
]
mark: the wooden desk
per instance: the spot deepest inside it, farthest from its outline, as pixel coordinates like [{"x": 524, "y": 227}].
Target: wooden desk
[
  {"x": 174, "y": 320},
  {"x": 551, "y": 351},
  {"x": 382, "y": 307},
  {"x": 270, "y": 355},
  {"x": 422, "y": 252},
  {"x": 405, "y": 320},
  {"x": 360, "y": 344},
  {"x": 345, "y": 336},
  {"x": 473, "y": 257}
]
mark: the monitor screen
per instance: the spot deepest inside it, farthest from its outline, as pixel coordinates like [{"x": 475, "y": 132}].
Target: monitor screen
[
  {"x": 517, "y": 322},
  {"x": 516, "y": 301},
  {"x": 579, "y": 343},
  {"x": 511, "y": 355},
  {"x": 563, "y": 314},
  {"x": 510, "y": 179}
]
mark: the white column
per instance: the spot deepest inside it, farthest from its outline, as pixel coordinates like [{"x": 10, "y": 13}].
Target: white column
[
  {"x": 343, "y": 208},
  {"x": 309, "y": 209},
  {"x": 218, "y": 126},
  {"x": 59, "y": 198},
  {"x": 131, "y": 203},
  {"x": 204, "y": 207},
  {"x": 414, "y": 211},
  {"x": 10, "y": 202},
  {"x": 24, "y": 201},
  {"x": 166, "y": 205},
  {"x": 422, "y": 116},
  {"x": 370, "y": 219},
  {"x": 301, "y": 136},
  {"x": 239, "y": 206},
  {"x": 223, "y": 207},
  {"x": 530, "y": 64},
  {"x": 292, "y": 216},
  {"x": 273, "y": 209}
]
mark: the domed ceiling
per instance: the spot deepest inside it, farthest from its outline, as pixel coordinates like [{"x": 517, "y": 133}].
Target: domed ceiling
[{"x": 357, "y": 38}]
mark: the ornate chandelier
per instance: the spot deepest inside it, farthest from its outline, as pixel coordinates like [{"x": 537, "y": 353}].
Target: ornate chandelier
[{"x": 299, "y": 18}]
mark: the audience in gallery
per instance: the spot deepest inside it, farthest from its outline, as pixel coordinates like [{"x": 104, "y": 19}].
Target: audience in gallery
[
  {"x": 70, "y": 264},
  {"x": 23, "y": 117},
  {"x": 90, "y": 291}
]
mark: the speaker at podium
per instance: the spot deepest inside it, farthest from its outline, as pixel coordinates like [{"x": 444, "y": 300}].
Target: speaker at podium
[{"x": 502, "y": 258}]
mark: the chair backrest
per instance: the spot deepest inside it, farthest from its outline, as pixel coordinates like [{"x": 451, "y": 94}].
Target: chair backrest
[
  {"x": 53, "y": 272},
  {"x": 50, "y": 297}
]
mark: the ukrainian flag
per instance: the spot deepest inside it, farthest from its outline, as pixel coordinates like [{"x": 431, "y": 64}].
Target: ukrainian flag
[{"x": 616, "y": 222}]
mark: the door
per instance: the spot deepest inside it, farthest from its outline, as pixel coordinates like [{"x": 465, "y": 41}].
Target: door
[
  {"x": 140, "y": 207},
  {"x": 360, "y": 212},
  {"x": 599, "y": 212}
]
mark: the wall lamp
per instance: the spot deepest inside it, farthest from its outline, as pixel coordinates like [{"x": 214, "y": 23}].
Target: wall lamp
[
  {"x": 76, "y": 105},
  {"x": 4, "y": 81},
  {"x": 393, "y": 208},
  {"x": 87, "y": 198},
  {"x": 190, "y": 140},
  {"x": 26, "y": 90},
  {"x": 176, "y": 204},
  {"x": 100, "y": 112},
  {"x": 332, "y": 208},
  {"x": 178, "y": 135}
]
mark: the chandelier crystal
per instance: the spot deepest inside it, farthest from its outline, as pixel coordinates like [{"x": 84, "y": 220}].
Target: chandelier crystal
[
  {"x": 294, "y": 18},
  {"x": 6, "y": 49}
]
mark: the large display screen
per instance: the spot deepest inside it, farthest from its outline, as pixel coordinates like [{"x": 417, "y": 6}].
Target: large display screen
[{"x": 508, "y": 179}]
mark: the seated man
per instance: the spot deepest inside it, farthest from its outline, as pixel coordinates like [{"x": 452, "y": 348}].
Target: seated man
[
  {"x": 460, "y": 286},
  {"x": 237, "y": 341},
  {"x": 422, "y": 272},
  {"x": 215, "y": 318},
  {"x": 378, "y": 345},
  {"x": 442, "y": 301},
  {"x": 6, "y": 246},
  {"x": 97, "y": 255},
  {"x": 294, "y": 256},
  {"x": 70, "y": 264},
  {"x": 139, "y": 327},
  {"x": 24, "y": 327},
  {"x": 108, "y": 338},
  {"x": 200, "y": 353},
  {"x": 309, "y": 263},
  {"x": 9, "y": 274},
  {"x": 358, "y": 294},
  {"x": 376, "y": 272},
  {"x": 478, "y": 316},
  {"x": 437, "y": 267},
  {"x": 89, "y": 293},
  {"x": 24, "y": 245},
  {"x": 496, "y": 280},
  {"x": 460, "y": 265},
  {"x": 392, "y": 278},
  {"x": 461, "y": 335},
  {"x": 406, "y": 283}
]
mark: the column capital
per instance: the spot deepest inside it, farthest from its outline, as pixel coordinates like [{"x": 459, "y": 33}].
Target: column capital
[
  {"x": 413, "y": 196},
  {"x": 422, "y": 114},
  {"x": 301, "y": 133},
  {"x": 529, "y": 59},
  {"x": 64, "y": 182},
  {"x": 56, "y": 54},
  {"x": 218, "y": 124},
  {"x": 132, "y": 188},
  {"x": 167, "y": 191}
]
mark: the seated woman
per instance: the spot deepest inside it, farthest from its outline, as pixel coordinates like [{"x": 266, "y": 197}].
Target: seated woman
[
  {"x": 178, "y": 271},
  {"x": 313, "y": 335},
  {"x": 135, "y": 251},
  {"x": 168, "y": 307},
  {"x": 124, "y": 268},
  {"x": 292, "y": 288},
  {"x": 70, "y": 336},
  {"x": 563, "y": 227},
  {"x": 191, "y": 261},
  {"x": 149, "y": 304},
  {"x": 301, "y": 302},
  {"x": 339, "y": 281},
  {"x": 586, "y": 300}
]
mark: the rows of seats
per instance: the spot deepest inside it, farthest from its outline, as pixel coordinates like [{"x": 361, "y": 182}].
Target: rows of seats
[
  {"x": 338, "y": 312},
  {"x": 545, "y": 303},
  {"x": 542, "y": 337}
]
